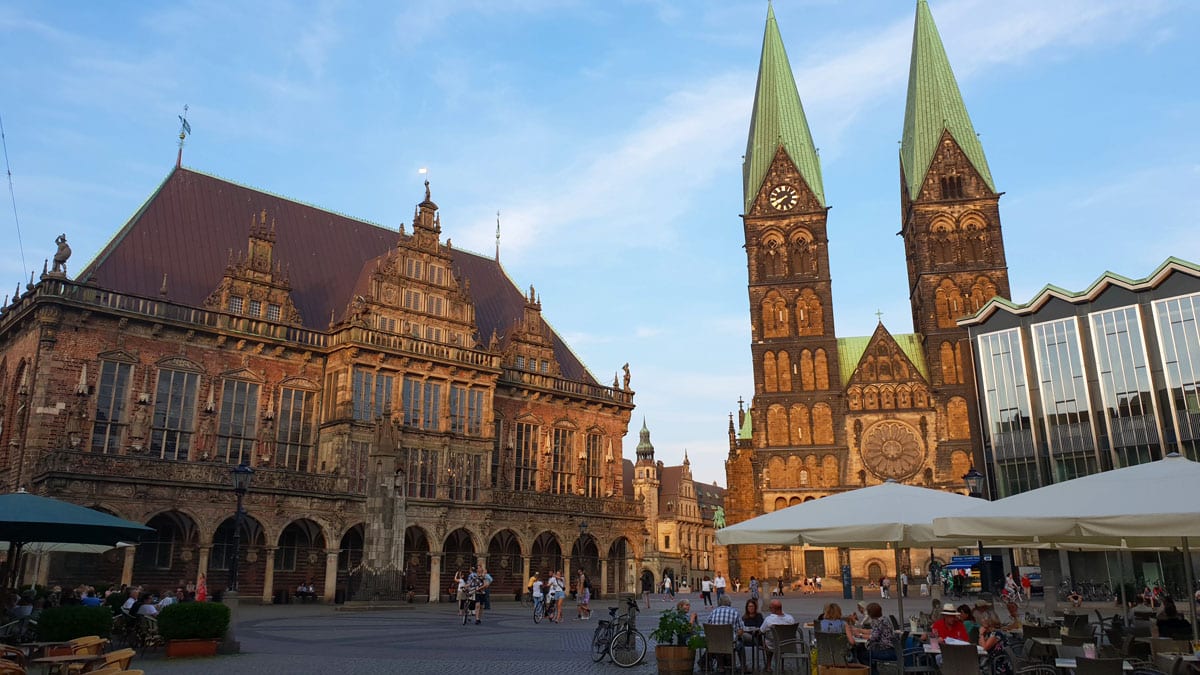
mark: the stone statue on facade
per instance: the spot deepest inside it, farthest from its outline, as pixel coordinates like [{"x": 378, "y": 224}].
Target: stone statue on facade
[
  {"x": 202, "y": 449},
  {"x": 61, "y": 256},
  {"x": 266, "y": 440},
  {"x": 506, "y": 468},
  {"x": 385, "y": 434},
  {"x": 625, "y": 379},
  {"x": 77, "y": 422},
  {"x": 139, "y": 421}
]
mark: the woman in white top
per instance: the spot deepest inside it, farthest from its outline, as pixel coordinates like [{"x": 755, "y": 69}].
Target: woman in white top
[
  {"x": 460, "y": 586},
  {"x": 556, "y": 597}
]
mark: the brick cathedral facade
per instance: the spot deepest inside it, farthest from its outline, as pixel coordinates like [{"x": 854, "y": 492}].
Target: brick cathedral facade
[{"x": 830, "y": 413}]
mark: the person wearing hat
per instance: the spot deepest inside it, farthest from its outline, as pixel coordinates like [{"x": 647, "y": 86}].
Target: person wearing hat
[
  {"x": 949, "y": 626},
  {"x": 984, "y": 612}
]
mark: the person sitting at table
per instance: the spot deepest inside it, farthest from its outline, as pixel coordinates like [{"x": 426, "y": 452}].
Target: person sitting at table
[
  {"x": 1075, "y": 598},
  {"x": 949, "y": 626},
  {"x": 306, "y": 591},
  {"x": 753, "y": 621},
  {"x": 994, "y": 640},
  {"x": 684, "y": 607},
  {"x": 776, "y": 617},
  {"x": 881, "y": 638},
  {"x": 983, "y": 612},
  {"x": 147, "y": 606},
  {"x": 831, "y": 620},
  {"x": 725, "y": 614},
  {"x": 1170, "y": 624},
  {"x": 967, "y": 617}
]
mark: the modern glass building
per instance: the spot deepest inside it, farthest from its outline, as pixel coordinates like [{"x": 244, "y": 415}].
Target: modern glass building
[{"x": 1075, "y": 383}]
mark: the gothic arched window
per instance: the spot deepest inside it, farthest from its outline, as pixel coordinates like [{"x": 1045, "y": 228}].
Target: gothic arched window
[
  {"x": 957, "y": 424},
  {"x": 785, "y": 371},
  {"x": 803, "y": 254},
  {"x": 821, "y": 369},
  {"x": 777, "y": 426},
  {"x": 810, "y": 316},
  {"x": 949, "y": 302},
  {"x": 774, "y": 315},
  {"x": 822, "y": 424},
  {"x": 807, "y": 379},
  {"x": 770, "y": 372},
  {"x": 946, "y": 358},
  {"x": 801, "y": 428},
  {"x": 773, "y": 256}
]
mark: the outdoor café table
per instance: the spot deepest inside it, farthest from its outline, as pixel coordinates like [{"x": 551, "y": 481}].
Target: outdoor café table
[
  {"x": 1069, "y": 664},
  {"x": 47, "y": 661},
  {"x": 754, "y": 643},
  {"x": 937, "y": 649},
  {"x": 1048, "y": 641}
]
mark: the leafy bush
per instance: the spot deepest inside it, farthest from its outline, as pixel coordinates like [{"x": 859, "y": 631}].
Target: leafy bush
[
  {"x": 193, "y": 621},
  {"x": 59, "y": 624},
  {"x": 674, "y": 628}
]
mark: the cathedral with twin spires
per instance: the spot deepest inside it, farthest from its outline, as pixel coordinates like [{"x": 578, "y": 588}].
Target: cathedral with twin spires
[{"x": 832, "y": 413}]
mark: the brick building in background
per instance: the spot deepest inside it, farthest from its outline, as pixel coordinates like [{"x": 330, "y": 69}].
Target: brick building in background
[
  {"x": 404, "y": 405},
  {"x": 834, "y": 413}
]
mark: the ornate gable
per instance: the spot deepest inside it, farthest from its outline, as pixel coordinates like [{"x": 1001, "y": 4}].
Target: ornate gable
[
  {"x": 885, "y": 378},
  {"x": 529, "y": 345},
  {"x": 254, "y": 284},
  {"x": 775, "y": 195}
]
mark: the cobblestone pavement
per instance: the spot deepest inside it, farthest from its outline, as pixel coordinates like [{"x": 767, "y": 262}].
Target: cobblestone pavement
[{"x": 297, "y": 639}]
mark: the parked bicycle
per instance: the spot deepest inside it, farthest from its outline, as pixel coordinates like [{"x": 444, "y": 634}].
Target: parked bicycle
[
  {"x": 539, "y": 609},
  {"x": 618, "y": 637}
]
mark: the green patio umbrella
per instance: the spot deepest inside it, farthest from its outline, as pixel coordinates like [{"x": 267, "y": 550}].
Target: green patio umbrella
[{"x": 26, "y": 518}]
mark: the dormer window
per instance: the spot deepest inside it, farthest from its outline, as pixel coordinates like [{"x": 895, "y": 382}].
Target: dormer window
[
  {"x": 235, "y": 304},
  {"x": 520, "y": 362},
  {"x": 272, "y": 312},
  {"x": 254, "y": 308}
]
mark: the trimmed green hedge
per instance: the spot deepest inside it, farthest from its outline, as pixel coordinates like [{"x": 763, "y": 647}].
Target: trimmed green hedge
[
  {"x": 193, "y": 621},
  {"x": 59, "y": 624}
]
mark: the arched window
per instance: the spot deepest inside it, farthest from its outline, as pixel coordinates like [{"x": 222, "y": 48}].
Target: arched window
[
  {"x": 903, "y": 397},
  {"x": 949, "y": 303},
  {"x": 810, "y": 317},
  {"x": 804, "y": 476},
  {"x": 981, "y": 291},
  {"x": 946, "y": 358},
  {"x": 829, "y": 467},
  {"x": 822, "y": 424},
  {"x": 803, "y": 254},
  {"x": 941, "y": 242},
  {"x": 777, "y": 426},
  {"x": 793, "y": 501},
  {"x": 794, "y": 466},
  {"x": 900, "y": 367},
  {"x": 780, "y": 503},
  {"x": 887, "y": 397},
  {"x": 785, "y": 371},
  {"x": 821, "y": 369},
  {"x": 855, "y": 398},
  {"x": 801, "y": 428},
  {"x": 871, "y": 398},
  {"x": 807, "y": 378},
  {"x": 960, "y": 464},
  {"x": 874, "y": 572},
  {"x": 774, "y": 315},
  {"x": 778, "y": 471},
  {"x": 773, "y": 257},
  {"x": 920, "y": 397},
  {"x": 957, "y": 424},
  {"x": 770, "y": 371}
]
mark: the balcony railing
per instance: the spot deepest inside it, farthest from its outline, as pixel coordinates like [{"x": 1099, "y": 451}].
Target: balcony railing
[
  {"x": 357, "y": 335},
  {"x": 568, "y": 387}
]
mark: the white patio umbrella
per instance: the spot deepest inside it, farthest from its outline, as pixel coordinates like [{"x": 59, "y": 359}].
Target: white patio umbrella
[
  {"x": 889, "y": 515},
  {"x": 1149, "y": 505}
]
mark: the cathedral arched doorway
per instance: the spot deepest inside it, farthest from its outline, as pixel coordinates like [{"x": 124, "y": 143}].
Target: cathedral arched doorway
[
  {"x": 252, "y": 562},
  {"x": 505, "y": 565},
  {"x": 300, "y": 556},
  {"x": 350, "y": 555},
  {"x": 620, "y": 568},
  {"x": 546, "y": 554},
  {"x": 168, "y": 555},
  {"x": 416, "y": 559},
  {"x": 459, "y": 556}
]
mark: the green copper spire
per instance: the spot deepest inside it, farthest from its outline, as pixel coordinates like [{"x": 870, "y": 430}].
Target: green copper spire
[
  {"x": 778, "y": 118},
  {"x": 645, "y": 451},
  {"x": 934, "y": 105}
]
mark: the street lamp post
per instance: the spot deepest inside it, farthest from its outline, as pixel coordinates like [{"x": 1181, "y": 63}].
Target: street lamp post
[
  {"x": 242, "y": 474},
  {"x": 974, "y": 480},
  {"x": 583, "y": 526}
]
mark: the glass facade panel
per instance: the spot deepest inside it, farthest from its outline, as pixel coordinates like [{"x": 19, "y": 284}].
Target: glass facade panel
[
  {"x": 372, "y": 394},
  {"x": 422, "y": 473},
  {"x": 561, "y": 478},
  {"x": 464, "y": 473},
  {"x": 1179, "y": 340},
  {"x": 112, "y": 393},
  {"x": 594, "y": 459},
  {"x": 1007, "y": 413},
  {"x": 1125, "y": 386},
  {"x": 174, "y": 410},
  {"x": 293, "y": 448},
  {"x": 235, "y": 433},
  {"x": 526, "y": 456},
  {"x": 1063, "y": 385}
]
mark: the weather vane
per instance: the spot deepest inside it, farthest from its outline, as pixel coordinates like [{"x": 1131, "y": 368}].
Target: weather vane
[{"x": 185, "y": 130}]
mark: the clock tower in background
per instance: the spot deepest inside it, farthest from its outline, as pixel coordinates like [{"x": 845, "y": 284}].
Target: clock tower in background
[
  {"x": 832, "y": 414},
  {"x": 797, "y": 397}
]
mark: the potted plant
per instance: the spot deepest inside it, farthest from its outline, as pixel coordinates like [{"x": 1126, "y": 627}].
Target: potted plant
[
  {"x": 193, "y": 628},
  {"x": 672, "y": 650}
]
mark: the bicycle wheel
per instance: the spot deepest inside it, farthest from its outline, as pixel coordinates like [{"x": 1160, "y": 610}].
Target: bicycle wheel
[
  {"x": 539, "y": 611},
  {"x": 600, "y": 641},
  {"x": 628, "y": 648}
]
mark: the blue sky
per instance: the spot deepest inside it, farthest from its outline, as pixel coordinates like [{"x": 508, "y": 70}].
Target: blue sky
[{"x": 609, "y": 134}]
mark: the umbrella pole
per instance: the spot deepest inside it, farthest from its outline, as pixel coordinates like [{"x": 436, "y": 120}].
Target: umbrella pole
[
  {"x": 1189, "y": 576},
  {"x": 900, "y": 604},
  {"x": 1121, "y": 581}
]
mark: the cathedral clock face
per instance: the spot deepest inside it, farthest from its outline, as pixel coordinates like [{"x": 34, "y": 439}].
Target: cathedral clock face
[
  {"x": 893, "y": 449},
  {"x": 783, "y": 197}
]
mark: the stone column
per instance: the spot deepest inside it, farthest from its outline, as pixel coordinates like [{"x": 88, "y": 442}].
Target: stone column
[
  {"x": 127, "y": 569},
  {"x": 526, "y": 572},
  {"x": 268, "y": 592},
  {"x": 567, "y": 571},
  {"x": 202, "y": 561},
  {"x": 435, "y": 573},
  {"x": 604, "y": 577},
  {"x": 331, "y": 560}
]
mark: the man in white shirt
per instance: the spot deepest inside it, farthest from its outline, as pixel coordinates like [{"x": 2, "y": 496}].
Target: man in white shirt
[
  {"x": 776, "y": 617},
  {"x": 667, "y": 593},
  {"x": 719, "y": 585},
  {"x": 131, "y": 601}
]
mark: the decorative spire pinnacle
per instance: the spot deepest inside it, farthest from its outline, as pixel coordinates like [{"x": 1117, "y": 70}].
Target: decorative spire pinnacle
[
  {"x": 778, "y": 119},
  {"x": 645, "y": 450},
  {"x": 185, "y": 130},
  {"x": 934, "y": 106}
]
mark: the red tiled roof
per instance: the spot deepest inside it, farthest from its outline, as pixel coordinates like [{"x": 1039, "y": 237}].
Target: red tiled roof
[{"x": 188, "y": 227}]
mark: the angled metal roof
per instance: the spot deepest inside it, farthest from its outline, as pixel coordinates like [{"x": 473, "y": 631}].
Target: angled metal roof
[
  {"x": 188, "y": 226},
  {"x": 746, "y": 433},
  {"x": 934, "y": 106},
  {"x": 1049, "y": 291},
  {"x": 778, "y": 119}
]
